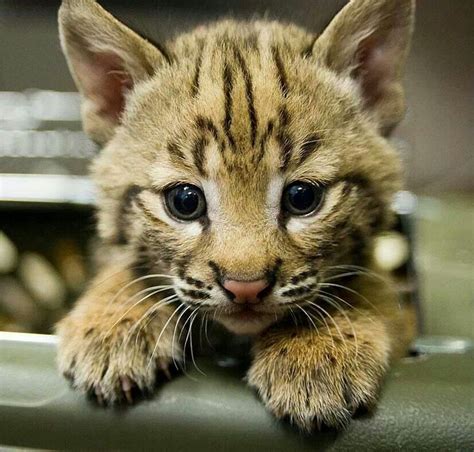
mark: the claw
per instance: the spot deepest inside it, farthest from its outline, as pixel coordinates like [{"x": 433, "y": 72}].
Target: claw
[
  {"x": 67, "y": 375},
  {"x": 127, "y": 386},
  {"x": 165, "y": 369},
  {"x": 69, "y": 378},
  {"x": 98, "y": 396}
]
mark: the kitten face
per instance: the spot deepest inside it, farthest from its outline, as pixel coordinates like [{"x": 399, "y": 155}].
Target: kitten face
[{"x": 244, "y": 119}]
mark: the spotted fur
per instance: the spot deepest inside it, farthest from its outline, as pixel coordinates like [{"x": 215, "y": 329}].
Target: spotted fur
[{"x": 242, "y": 109}]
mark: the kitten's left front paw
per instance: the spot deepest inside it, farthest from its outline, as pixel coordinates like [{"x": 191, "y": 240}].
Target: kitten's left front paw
[{"x": 312, "y": 382}]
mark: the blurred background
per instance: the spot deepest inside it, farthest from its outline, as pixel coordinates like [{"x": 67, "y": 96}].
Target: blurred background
[{"x": 46, "y": 200}]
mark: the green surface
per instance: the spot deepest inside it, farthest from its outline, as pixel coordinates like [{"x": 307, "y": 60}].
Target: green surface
[
  {"x": 427, "y": 404},
  {"x": 445, "y": 262}
]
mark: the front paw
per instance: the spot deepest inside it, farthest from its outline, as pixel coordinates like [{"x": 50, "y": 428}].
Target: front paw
[
  {"x": 114, "y": 364},
  {"x": 314, "y": 381}
]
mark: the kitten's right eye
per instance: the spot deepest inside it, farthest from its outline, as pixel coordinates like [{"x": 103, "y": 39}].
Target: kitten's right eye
[
  {"x": 185, "y": 202},
  {"x": 302, "y": 198}
]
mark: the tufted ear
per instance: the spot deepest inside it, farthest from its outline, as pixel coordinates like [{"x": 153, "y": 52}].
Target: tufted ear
[
  {"x": 106, "y": 60},
  {"x": 368, "y": 40}
]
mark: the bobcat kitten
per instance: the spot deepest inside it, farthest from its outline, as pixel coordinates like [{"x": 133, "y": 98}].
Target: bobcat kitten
[{"x": 245, "y": 171}]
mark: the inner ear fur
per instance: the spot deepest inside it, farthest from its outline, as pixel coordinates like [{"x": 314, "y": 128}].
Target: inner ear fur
[
  {"x": 369, "y": 40},
  {"x": 106, "y": 60}
]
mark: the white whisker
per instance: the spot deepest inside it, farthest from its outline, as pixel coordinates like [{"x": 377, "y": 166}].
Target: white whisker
[
  {"x": 336, "y": 326},
  {"x": 346, "y": 317},
  {"x": 151, "y": 313},
  {"x": 141, "y": 300},
  {"x": 195, "y": 313},
  {"x": 325, "y": 323},
  {"x": 161, "y": 333},
  {"x": 179, "y": 337},
  {"x": 350, "y": 306},
  {"x": 136, "y": 280},
  {"x": 206, "y": 316},
  {"x": 339, "y": 286}
]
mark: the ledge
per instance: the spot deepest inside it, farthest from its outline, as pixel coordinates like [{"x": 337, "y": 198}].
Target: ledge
[{"x": 426, "y": 404}]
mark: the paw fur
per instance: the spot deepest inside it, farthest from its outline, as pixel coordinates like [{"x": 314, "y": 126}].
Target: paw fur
[
  {"x": 114, "y": 368},
  {"x": 320, "y": 385}
]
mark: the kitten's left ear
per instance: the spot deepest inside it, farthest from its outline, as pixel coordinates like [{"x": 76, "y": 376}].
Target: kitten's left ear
[
  {"x": 369, "y": 40},
  {"x": 106, "y": 60}
]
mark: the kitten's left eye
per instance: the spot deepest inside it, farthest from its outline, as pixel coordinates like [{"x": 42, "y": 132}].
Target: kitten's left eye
[
  {"x": 302, "y": 198},
  {"x": 185, "y": 202}
]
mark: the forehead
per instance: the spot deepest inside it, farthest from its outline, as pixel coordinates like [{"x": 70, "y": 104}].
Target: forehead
[{"x": 242, "y": 112}]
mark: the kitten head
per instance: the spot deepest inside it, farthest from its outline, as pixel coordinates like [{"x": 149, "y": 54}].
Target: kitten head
[{"x": 248, "y": 160}]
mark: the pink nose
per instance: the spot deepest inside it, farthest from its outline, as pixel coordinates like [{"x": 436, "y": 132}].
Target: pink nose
[{"x": 245, "y": 291}]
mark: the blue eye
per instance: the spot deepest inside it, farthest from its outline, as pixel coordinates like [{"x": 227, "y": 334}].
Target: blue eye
[
  {"x": 185, "y": 202},
  {"x": 302, "y": 198}
]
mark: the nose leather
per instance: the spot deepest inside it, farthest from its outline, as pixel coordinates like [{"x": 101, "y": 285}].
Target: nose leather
[{"x": 245, "y": 291}]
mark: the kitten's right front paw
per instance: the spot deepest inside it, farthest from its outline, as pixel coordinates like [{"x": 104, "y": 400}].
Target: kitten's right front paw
[{"x": 117, "y": 365}]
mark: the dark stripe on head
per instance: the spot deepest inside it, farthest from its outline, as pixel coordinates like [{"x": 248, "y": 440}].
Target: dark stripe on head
[
  {"x": 228, "y": 83},
  {"x": 284, "y": 139},
  {"x": 264, "y": 140},
  {"x": 284, "y": 117},
  {"x": 248, "y": 94},
  {"x": 281, "y": 73},
  {"x": 197, "y": 71},
  {"x": 286, "y": 146},
  {"x": 176, "y": 154},
  {"x": 206, "y": 125},
  {"x": 122, "y": 224},
  {"x": 198, "y": 155},
  {"x": 310, "y": 145}
]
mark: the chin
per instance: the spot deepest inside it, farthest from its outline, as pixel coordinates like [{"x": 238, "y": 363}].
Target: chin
[{"x": 249, "y": 326}]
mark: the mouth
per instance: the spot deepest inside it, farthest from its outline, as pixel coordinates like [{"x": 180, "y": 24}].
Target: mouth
[
  {"x": 246, "y": 313},
  {"x": 246, "y": 320}
]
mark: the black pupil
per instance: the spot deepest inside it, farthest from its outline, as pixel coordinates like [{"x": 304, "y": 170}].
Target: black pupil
[
  {"x": 301, "y": 197},
  {"x": 186, "y": 200}
]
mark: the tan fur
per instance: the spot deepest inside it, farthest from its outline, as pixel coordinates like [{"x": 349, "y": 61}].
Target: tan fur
[
  {"x": 241, "y": 110},
  {"x": 101, "y": 341},
  {"x": 323, "y": 375}
]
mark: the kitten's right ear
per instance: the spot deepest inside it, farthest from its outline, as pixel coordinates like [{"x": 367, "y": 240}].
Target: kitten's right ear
[
  {"x": 368, "y": 40},
  {"x": 106, "y": 60}
]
